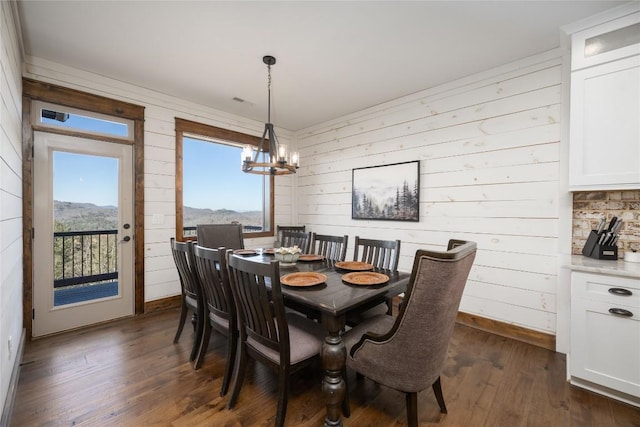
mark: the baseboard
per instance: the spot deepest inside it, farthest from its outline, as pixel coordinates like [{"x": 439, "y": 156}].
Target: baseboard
[
  {"x": 7, "y": 410},
  {"x": 507, "y": 330},
  {"x": 163, "y": 304}
]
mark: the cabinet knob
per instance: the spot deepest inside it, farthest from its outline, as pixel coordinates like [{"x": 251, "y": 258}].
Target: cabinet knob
[
  {"x": 620, "y": 291},
  {"x": 621, "y": 312}
]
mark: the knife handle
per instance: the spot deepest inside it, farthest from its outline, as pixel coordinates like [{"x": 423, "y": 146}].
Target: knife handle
[{"x": 602, "y": 238}]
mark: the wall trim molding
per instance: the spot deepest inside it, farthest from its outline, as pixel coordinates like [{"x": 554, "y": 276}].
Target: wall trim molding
[
  {"x": 508, "y": 330},
  {"x": 7, "y": 410},
  {"x": 163, "y": 304}
]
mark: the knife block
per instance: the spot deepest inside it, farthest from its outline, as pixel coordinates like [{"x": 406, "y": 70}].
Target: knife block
[{"x": 593, "y": 250}]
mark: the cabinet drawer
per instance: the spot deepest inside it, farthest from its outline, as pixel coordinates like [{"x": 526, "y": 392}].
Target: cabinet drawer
[{"x": 607, "y": 289}]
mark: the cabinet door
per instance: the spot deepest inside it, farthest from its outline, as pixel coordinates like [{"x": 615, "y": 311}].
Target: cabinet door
[
  {"x": 605, "y": 347},
  {"x": 615, "y": 39},
  {"x": 605, "y": 126}
]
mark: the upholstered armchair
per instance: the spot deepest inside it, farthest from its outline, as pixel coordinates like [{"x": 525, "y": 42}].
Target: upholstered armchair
[{"x": 407, "y": 352}]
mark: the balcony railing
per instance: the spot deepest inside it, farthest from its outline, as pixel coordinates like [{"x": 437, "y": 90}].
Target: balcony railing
[
  {"x": 82, "y": 257},
  {"x": 190, "y": 231}
]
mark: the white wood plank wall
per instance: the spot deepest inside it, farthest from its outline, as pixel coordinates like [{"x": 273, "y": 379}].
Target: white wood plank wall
[
  {"x": 489, "y": 147},
  {"x": 161, "y": 277},
  {"x": 10, "y": 196}
]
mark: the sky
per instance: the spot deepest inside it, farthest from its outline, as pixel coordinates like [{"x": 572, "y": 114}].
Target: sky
[
  {"x": 82, "y": 178},
  {"x": 93, "y": 179},
  {"x": 204, "y": 162}
]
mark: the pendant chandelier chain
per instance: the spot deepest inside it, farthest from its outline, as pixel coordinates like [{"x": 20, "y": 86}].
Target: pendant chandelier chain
[{"x": 269, "y": 93}]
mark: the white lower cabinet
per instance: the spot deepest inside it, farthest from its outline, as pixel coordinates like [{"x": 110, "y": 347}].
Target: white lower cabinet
[{"x": 605, "y": 335}]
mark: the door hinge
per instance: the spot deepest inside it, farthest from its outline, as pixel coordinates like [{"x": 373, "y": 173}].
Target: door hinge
[
  {"x": 33, "y": 233},
  {"x": 33, "y": 313}
]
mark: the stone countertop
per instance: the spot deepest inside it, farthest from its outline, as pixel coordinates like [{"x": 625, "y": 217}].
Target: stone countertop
[{"x": 591, "y": 265}]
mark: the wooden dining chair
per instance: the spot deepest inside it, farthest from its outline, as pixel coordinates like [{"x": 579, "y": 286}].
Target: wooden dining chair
[
  {"x": 383, "y": 255},
  {"x": 281, "y": 228},
  {"x": 407, "y": 352},
  {"x": 281, "y": 339},
  {"x": 296, "y": 238},
  {"x": 333, "y": 248},
  {"x": 192, "y": 297},
  {"x": 220, "y": 235},
  {"x": 219, "y": 308}
]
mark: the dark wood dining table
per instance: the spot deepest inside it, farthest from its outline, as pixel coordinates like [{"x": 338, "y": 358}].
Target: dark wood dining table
[{"x": 332, "y": 301}]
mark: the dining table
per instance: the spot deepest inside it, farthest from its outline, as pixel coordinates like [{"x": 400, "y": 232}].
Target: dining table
[{"x": 349, "y": 286}]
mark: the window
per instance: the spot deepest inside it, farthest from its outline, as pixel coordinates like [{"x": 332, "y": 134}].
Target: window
[
  {"x": 210, "y": 185},
  {"x": 86, "y": 122}
]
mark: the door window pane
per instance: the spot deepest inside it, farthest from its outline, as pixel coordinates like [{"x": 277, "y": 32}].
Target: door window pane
[{"x": 85, "y": 217}]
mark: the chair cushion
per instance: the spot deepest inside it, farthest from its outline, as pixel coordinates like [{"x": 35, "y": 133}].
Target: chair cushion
[
  {"x": 220, "y": 321},
  {"x": 356, "y": 318},
  {"x": 379, "y": 324},
  {"x": 191, "y": 302},
  {"x": 305, "y": 339}
]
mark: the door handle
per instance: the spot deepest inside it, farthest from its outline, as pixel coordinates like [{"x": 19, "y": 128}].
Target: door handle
[{"x": 126, "y": 238}]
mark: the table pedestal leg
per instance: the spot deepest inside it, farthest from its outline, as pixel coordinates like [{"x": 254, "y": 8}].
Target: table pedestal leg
[{"x": 334, "y": 356}]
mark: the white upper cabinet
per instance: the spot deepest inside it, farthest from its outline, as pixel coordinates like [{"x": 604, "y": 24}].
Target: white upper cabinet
[
  {"x": 605, "y": 126},
  {"x": 609, "y": 41},
  {"x": 604, "y": 147}
]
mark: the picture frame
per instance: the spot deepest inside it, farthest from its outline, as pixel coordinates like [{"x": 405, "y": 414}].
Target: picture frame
[{"x": 386, "y": 192}]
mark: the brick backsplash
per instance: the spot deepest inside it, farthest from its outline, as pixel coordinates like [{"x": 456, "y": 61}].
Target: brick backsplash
[{"x": 590, "y": 206}]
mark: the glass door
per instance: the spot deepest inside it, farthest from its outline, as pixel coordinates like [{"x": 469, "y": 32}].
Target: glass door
[{"x": 83, "y": 231}]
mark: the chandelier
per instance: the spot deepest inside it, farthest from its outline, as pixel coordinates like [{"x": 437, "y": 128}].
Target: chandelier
[{"x": 280, "y": 162}]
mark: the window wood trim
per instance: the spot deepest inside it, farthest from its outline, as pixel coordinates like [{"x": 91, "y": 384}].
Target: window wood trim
[{"x": 188, "y": 127}]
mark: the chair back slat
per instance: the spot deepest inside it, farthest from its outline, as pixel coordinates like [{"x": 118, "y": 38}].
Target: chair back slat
[
  {"x": 383, "y": 254},
  {"x": 333, "y": 248},
  {"x": 211, "y": 266},
  {"x": 183, "y": 257},
  {"x": 256, "y": 291}
]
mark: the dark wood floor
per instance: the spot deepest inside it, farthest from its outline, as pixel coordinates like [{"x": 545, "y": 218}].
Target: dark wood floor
[{"x": 129, "y": 373}]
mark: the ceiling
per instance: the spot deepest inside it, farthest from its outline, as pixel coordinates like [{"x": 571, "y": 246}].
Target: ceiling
[{"x": 333, "y": 57}]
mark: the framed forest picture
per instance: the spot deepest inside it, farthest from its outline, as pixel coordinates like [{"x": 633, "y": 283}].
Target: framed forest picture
[{"x": 387, "y": 192}]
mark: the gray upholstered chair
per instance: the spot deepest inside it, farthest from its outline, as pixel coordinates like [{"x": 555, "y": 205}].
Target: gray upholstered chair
[
  {"x": 220, "y": 235},
  {"x": 280, "y": 339},
  {"x": 407, "y": 352},
  {"x": 219, "y": 308},
  {"x": 192, "y": 297},
  {"x": 296, "y": 238},
  {"x": 333, "y": 248}
]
